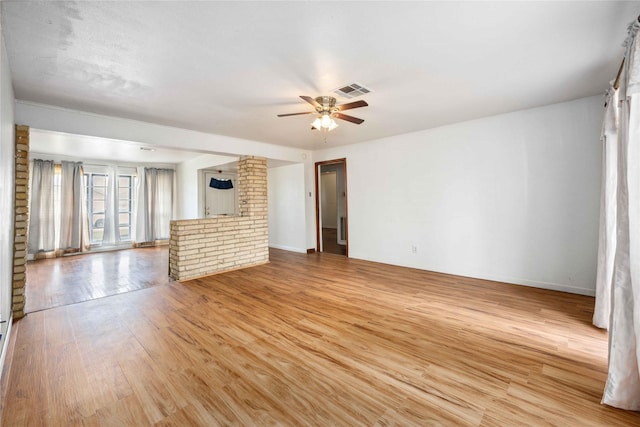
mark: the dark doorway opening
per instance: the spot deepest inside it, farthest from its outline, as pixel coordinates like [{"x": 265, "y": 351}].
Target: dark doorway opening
[{"x": 331, "y": 207}]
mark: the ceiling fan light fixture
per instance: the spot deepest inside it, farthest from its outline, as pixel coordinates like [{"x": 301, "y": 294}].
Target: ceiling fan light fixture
[
  {"x": 324, "y": 122},
  {"x": 327, "y": 110}
]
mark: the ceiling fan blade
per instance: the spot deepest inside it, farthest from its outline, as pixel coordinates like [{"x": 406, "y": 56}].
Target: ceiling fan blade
[
  {"x": 311, "y": 101},
  {"x": 356, "y": 104},
  {"x": 348, "y": 118},
  {"x": 295, "y": 114}
]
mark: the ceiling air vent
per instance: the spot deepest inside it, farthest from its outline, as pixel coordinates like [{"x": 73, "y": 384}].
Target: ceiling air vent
[{"x": 351, "y": 91}]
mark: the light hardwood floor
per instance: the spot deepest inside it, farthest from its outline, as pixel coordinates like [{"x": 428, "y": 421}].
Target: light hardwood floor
[
  {"x": 77, "y": 278},
  {"x": 314, "y": 340}
]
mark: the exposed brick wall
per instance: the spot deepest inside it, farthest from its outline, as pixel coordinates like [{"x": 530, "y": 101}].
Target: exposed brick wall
[
  {"x": 21, "y": 220},
  {"x": 252, "y": 186},
  {"x": 200, "y": 247}
]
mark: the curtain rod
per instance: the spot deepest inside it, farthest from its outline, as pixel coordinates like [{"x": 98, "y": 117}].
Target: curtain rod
[{"x": 616, "y": 83}]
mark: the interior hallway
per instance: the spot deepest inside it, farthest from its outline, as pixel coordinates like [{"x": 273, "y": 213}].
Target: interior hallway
[{"x": 330, "y": 242}]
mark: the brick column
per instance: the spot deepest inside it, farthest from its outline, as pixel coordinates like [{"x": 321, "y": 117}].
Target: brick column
[
  {"x": 21, "y": 220},
  {"x": 252, "y": 186}
]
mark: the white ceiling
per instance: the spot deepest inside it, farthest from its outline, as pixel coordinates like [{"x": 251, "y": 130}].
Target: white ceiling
[{"x": 230, "y": 67}]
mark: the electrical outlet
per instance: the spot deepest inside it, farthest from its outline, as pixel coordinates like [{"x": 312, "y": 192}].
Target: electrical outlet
[{"x": 414, "y": 249}]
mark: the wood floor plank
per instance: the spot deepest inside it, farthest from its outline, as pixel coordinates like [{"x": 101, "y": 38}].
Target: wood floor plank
[
  {"x": 127, "y": 411},
  {"x": 158, "y": 398},
  {"x": 27, "y": 396},
  {"x": 70, "y": 395},
  {"x": 314, "y": 339}
]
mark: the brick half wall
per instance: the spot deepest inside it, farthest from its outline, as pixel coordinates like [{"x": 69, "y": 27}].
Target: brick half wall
[{"x": 201, "y": 247}]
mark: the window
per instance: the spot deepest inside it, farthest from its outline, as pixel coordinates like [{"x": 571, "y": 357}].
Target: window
[
  {"x": 97, "y": 186},
  {"x": 125, "y": 205}
]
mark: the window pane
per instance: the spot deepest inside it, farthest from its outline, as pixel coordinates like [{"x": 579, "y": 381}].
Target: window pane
[
  {"x": 97, "y": 221},
  {"x": 124, "y": 181},
  {"x": 124, "y": 233},
  {"x": 98, "y": 205},
  {"x": 124, "y": 219},
  {"x": 96, "y": 235},
  {"x": 99, "y": 180},
  {"x": 98, "y": 193},
  {"x": 125, "y": 225},
  {"x": 123, "y": 205},
  {"x": 123, "y": 193}
]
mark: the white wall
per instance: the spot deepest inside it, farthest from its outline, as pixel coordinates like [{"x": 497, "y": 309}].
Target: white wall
[
  {"x": 286, "y": 202},
  {"x": 7, "y": 168},
  {"x": 512, "y": 197},
  {"x": 189, "y": 186}
]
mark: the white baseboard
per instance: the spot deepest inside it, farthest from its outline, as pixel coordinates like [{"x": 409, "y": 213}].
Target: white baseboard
[
  {"x": 561, "y": 287},
  {"x": 536, "y": 284}
]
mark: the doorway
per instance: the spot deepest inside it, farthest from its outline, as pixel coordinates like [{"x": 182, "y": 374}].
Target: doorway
[
  {"x": 220, "y": 193},
  {"x": 331, "y": 207}
]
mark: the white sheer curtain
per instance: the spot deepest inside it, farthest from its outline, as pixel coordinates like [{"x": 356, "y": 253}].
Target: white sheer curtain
[
  {"x": 74, "y": 225},
  {"x": 141, "y": 207},
  {"x": 155, "y": 204},
  {"x": 111, "y": 235},
  {"x": 608, "y": 208},
  {"x": 622, "y": 389},
  {"x": 41, "y": 210}
]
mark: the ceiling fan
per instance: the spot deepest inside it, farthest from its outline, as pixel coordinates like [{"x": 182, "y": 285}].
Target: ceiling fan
[{"x": 327, "y": 110}]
